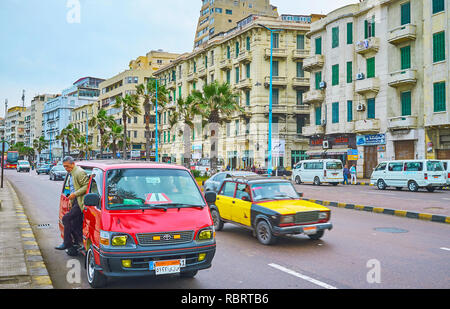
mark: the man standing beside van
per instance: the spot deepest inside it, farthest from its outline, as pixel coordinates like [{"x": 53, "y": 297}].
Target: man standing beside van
[
  {"x": 353, "y": 173},
  {"x": 73, "y": 220},
  {"x": 346, "y": 173}
]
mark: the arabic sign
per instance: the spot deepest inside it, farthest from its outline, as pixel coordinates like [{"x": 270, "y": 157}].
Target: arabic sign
[
  {"x": 278, "y": 148},
  {"x": 371, "y": 140}
]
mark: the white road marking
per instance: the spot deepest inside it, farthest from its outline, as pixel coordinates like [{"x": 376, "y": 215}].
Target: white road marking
[
  {"x": 446, "y": 249},
  {"x": 445, "y": 198},
  {"x": 301, "y": 276}
]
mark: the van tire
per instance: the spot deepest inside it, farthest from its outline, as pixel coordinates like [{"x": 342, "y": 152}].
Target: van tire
[
  {"x": 431, "y": 189},
  {"x": 95, "y": 278},
  {"x": 218, "y": 223},
  {"x": 413, "y": 186},
  {"x": 298, "y": 180},
  {"x": 317, "y": 181},
  {"x": 381, "y": 185}
]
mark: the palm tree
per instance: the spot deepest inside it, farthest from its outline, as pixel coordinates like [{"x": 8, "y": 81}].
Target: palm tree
[
  {"x": 40, "y": 144},
  {"x": 148, "y": 93},
  {"x": 216, "y": 99},
  {"x": 130, "y": 108},
  {"x": 101, "y": 122},
  {"x": 186, "y": 110},
  {"x": 114, "y": 135}
]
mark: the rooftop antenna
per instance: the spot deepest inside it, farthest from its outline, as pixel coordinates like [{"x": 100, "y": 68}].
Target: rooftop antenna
[{"x": 23, "y": 98}]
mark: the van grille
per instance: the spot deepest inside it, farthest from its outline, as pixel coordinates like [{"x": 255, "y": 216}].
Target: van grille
[
  {"x": 165, "y": 238},
  {"x": 306, "y": 217}
]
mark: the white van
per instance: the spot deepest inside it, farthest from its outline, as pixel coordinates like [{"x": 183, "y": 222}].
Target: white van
[
  {"x": 411, "y": 174},
  {"x": 318, "y": 171},
  {"x": 446, "y": 164}
]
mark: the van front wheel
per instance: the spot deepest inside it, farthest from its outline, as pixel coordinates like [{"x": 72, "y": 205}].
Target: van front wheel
[
  {"x": 95, "y": 278},
  {"x": 317, "y": 181},
  {"x": 298, "y": 180},
  {"x": 381, "y": 184},
  {"x": 412, "y": 186}
]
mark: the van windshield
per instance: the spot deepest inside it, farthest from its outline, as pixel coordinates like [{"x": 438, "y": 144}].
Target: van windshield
[
  {"x": 151, "y": 188},
  {"x": 334, "y": 165},
  {"x": 434, "y": 166}
]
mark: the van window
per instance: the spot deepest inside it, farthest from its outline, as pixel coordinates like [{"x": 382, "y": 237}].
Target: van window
[
  {"x": 395, "y": 167},
  {"x": 334, "y": 165},
  {"x": 381, "y": 167},
  {"x": 414, "y": 166},
  {"x": 434, "y": 166},
  {"x": 445, "y": 165},
  {"x": 228, "y": 189},
  {"x": 314, "y": 166}
]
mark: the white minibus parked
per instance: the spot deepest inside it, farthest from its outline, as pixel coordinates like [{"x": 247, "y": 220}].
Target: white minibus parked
[{"x": 318, "y": 171}]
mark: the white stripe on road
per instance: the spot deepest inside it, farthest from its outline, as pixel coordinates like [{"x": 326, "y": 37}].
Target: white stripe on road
[
  {"x": 301, "y": 276},
  {"x": 446, "y": 249}
]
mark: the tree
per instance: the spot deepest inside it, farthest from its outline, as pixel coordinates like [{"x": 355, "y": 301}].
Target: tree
[
  {"x": 130, "y": 108},
  {"x": 215, "y": 100},
  {"x": 148, "y": 93},
  {"x": 114, "y": 135},
  {"x": 40, "y": 144},
  {"x": 102, "y": 121}
]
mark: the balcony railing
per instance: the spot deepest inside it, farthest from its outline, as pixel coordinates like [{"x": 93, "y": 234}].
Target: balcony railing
[
  {"x": 300, "y": 82},
  {"x": 370, "y": 45},
  {"x": 402, "y": 122},
  {"x": 313, "y": 96},
  {"x": 313, "y": 130},
  {"x": 402, "y": 34},
  {"x": 313, "y": 62},
  {"x": 245, "y": 56},
  {"x": 225, "y": 64},
  {"x": 276, "y": 53},
  {"x": 298, "y": 54},
  {"x": 367, "y": 126},
  {"x": 368, "y": 85},
  {"x": 244, "y": 84},
  {"x": 280, "y": 81},
  {"x": 402, "y": 78}
]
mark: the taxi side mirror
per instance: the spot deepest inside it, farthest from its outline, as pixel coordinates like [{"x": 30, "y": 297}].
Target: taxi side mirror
[
  {"x": 92, "y": 199},
  {"x": 246, "y": 198},
  {"x": 210, "y": 197}
]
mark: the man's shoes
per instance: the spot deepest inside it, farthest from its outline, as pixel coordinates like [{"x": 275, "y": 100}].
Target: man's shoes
[
  {"x": 61, "y": 247},
  {"x": 72, "y": 251}
]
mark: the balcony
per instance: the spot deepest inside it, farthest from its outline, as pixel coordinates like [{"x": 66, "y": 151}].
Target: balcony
[
  {"x": 313, "y": 62},
  {"x": 298, "y": 54},
  {"x": 402, "y": 34},
  {"x": 367, "y": 126},
  {"x": 278, "y": 109},
  {"x": 367, "y": 46},
  {"x": 300, "y": 82},
  {"x": 201, "y": 72},
  {"x": 244, "y": 56},
  {"x": 300, "y": 109},
  {"x": 313, "y": 130},
  {"x": 277, "y": 53},
  {"x": 244, "y": 84},
  {"x": 367, "y": 86},
  {"x": 192, "y": 77},
  {"x": 402, "y": 122},
  {"x": 341, "y": 128},
  {"x": 172, "y": 85},
  {"x": 313, "y": 96},
  {"x": 277, "y": 81},
  {"x": 402, "y": 78},
  {"x": 225, "y": 65}
]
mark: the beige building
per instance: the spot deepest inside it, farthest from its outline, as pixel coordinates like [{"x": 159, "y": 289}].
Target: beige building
[
  {"x": 35, "y": 121},
  {"x": 79, "y": 119},
  {"x": 372, "y": 82},
  {"x": 125, "y": 83},
  {"x": 218, "y": 16},
  {"x": 241, "y": 57},
  {"x": 15, "y": 125}
]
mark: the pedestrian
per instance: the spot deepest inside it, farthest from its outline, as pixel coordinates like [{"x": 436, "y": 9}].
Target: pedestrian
[
  {"x": 346, "y": 173},
  {"x": 353, "y": 173},
  {"x": 73, "y": 220}
]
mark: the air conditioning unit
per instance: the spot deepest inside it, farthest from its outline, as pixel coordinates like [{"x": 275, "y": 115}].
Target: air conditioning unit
[
  {"x": 326, "y": 145},
  {"x": 360, "y": 76},
  {"x": 361, "y": 107},
  {"x": 322, "y": 85}
]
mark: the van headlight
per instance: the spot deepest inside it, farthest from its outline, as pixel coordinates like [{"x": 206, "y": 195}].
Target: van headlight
[
  {"x": 206, "y": 234},
  {"x": 114, "y": 239},
  {"x": 119, "y": 240}
]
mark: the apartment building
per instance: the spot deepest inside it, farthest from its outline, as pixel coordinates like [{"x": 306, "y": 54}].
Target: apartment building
[
  {"x": 218, "y": 16},
  {"x": 241, "y": 57},
  {"x": 35, "y": 121},
  {"x": 369, "y": 67},
  {"x": 15, "y": 125},
  {"x": 139, "y": 71}
]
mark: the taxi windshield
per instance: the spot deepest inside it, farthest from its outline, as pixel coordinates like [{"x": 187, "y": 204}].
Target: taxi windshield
[
  {"x": 152, "y": 188},
  {"x": 273, "y": 191}
]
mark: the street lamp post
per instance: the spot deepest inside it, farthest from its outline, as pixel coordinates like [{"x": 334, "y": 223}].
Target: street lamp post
[{"x": 269, "y": 159}]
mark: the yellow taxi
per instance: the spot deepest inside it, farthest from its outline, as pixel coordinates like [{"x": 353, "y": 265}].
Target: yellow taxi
[{"x": 270, "y": 207}]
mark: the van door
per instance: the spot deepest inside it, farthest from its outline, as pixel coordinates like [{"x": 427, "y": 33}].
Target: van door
[
  {"x": 225, "y": 199},
  {"x": 92, "y": 215},
  {"x": 413, "y": 171},
  {"x": 394, "y": 174},
  {"x": 435, "y": 172}
]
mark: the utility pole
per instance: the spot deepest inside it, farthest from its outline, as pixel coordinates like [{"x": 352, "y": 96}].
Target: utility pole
[{"x": 3, "y": 142}]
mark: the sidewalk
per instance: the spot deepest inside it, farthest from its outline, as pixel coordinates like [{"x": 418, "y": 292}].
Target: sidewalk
[{"x": 21, "y": 262}]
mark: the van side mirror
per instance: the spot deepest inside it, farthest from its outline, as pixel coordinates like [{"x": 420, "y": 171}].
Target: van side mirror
[
  {"x": 92, "y": 199},
  {"x": 210, "y": 197}
]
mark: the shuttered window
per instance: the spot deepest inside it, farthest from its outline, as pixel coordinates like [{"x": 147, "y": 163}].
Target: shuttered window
[
  {"x": 318, "y": 113},
  {"x": 335, "y": 112},
  {"x": 405, "y": 13},
  {"x": 369, "y": 28},
  {"x": 370, "y": 67},
  {"x": 299, "y": 97},
  {"x": 300, "y": 41},
  {"x": 439, "y": 46},
  {"x": 228, "y": 52},
  {"x": 237, "y": 75},
  {"x": 318, "y": 78},
  {"x": 275, "y": 96},
  {"x": 349, "y": 33},
  {"x": 371, "y": 108},
  {"x": 349, "y": 72},
  {"x": 248, "y": 43},
  {"x": 247, "y": 98},
  {"x": 300, "y": 72},
  {"x": 406, "y": 103},
  {"x": 349, "y": 111},
  {"x": 439, "y": 97},
  {"x": 335, "y": 75},
  {"x": 237, "y": 49},
  {"x": 274, "y": 68},
  {"x": 247, "y": 70},
  {"x": 438, "y": 6},
  {"x": 318, "y": 43},
  {"x": 335, "y": 37},
  {"x": 405, "y": 54}
]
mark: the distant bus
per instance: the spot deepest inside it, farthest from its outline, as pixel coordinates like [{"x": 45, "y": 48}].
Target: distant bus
[{"x": 11, "y": 159}]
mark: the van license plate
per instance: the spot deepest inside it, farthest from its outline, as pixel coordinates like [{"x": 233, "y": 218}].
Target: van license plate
[
  {"x": 167, "y": 267},
  {"x": 310, "y": 230}
]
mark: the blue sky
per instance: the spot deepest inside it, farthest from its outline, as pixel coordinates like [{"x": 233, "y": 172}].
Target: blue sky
[{"x": 42, "y": 52}]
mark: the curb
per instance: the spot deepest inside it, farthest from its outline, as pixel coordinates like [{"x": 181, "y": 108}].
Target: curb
[
  {"x": 386, "y": 211},
  {"x": 37, "y": 270}
]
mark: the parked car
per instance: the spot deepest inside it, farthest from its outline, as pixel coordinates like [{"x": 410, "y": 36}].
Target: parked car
[
  {"x": 43, "y": 169},
  {"x": 281, "y": 171},
  {"x": 411, "y": 174},
  {"x": 270, "y": 207},
  {"x": 23, "y": 165},
  {"x": 142, "y": 219},
  {"x": 215, "y": 182},
  {"x": 318, "y": 171},
  {"x": 57, "y": 172}
]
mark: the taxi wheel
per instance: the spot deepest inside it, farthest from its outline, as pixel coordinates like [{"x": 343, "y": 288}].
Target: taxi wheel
[
  {"x": 316, "y": 236},
  {"x": 94, "y": 277},
  {"x": 218, "y": 223},
  {"x": 264, "y": 233}
]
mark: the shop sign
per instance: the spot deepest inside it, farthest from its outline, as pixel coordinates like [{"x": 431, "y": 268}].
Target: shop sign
[
  {"x": 278, "y": 148},
  {"x": 371, "y": 140},
  {"x": 352, "y": 155}
]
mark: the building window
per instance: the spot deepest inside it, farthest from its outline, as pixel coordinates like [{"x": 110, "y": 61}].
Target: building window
[
  {"x": 335, "y": 112},
  {"x": 405, "y": 17},
  {"x": 406, "y": 103},
  {"x": 318, "y": 114},
  {"x": 369, "y": 28},
  {"x": 247, "y": 98},
  {"x": 349, "y": 33},
  {"x": 300, "y": 124},
  {"x": 299, "y": 97},
  {"x": 335, "y": 37},
  {"x": 236, "y": 127},
  {"x": 335, "y": 75},
  {"x": 439, "y": 46},
  {"x": 370, "y": 63},
  {"x": 276, "y": 40},
  {"x": 349, "y": 111},
  {"x": 247, "y": 70},
  {"x": 300, "y": 72},
  {"x": 439, "y": 97},
  {"x": 229, "y": 77},
  {"x": 438, "y": 6},
  {"x": 349, "y": 72},
  {"x": 318, "y": 79},
  {"x": 229, "y": 12},
  {"x": 237, "y": 49},
  {"x": 405, "y": 55},
  {"x": 237, "y": 75},
  {"x": 318, "y": 44},
  {"x": 274, "y": 68},
  {"x": 228, "y": 52},
  {"x": 300, "y": 41},
  {"x": 248, "y": 43},
  {"x": 275, "y": 96},
  {"x": 371, "y": 108}
]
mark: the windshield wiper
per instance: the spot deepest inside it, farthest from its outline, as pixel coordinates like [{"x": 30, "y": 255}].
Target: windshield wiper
[
  {"x": 284, "y": 196},
  {"x": 183, "y": 205}
]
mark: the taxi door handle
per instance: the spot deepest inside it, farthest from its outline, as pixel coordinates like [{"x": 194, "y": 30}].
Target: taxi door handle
[{"x": 234, "y": 202}]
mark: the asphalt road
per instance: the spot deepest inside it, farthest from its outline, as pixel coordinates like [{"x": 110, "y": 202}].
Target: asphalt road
[{"x": 355, "y": 254}]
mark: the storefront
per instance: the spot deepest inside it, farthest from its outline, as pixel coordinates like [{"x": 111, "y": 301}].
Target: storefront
[
  {"x": 371, "y": 150},
  {"x": 333, "y": 146}
]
